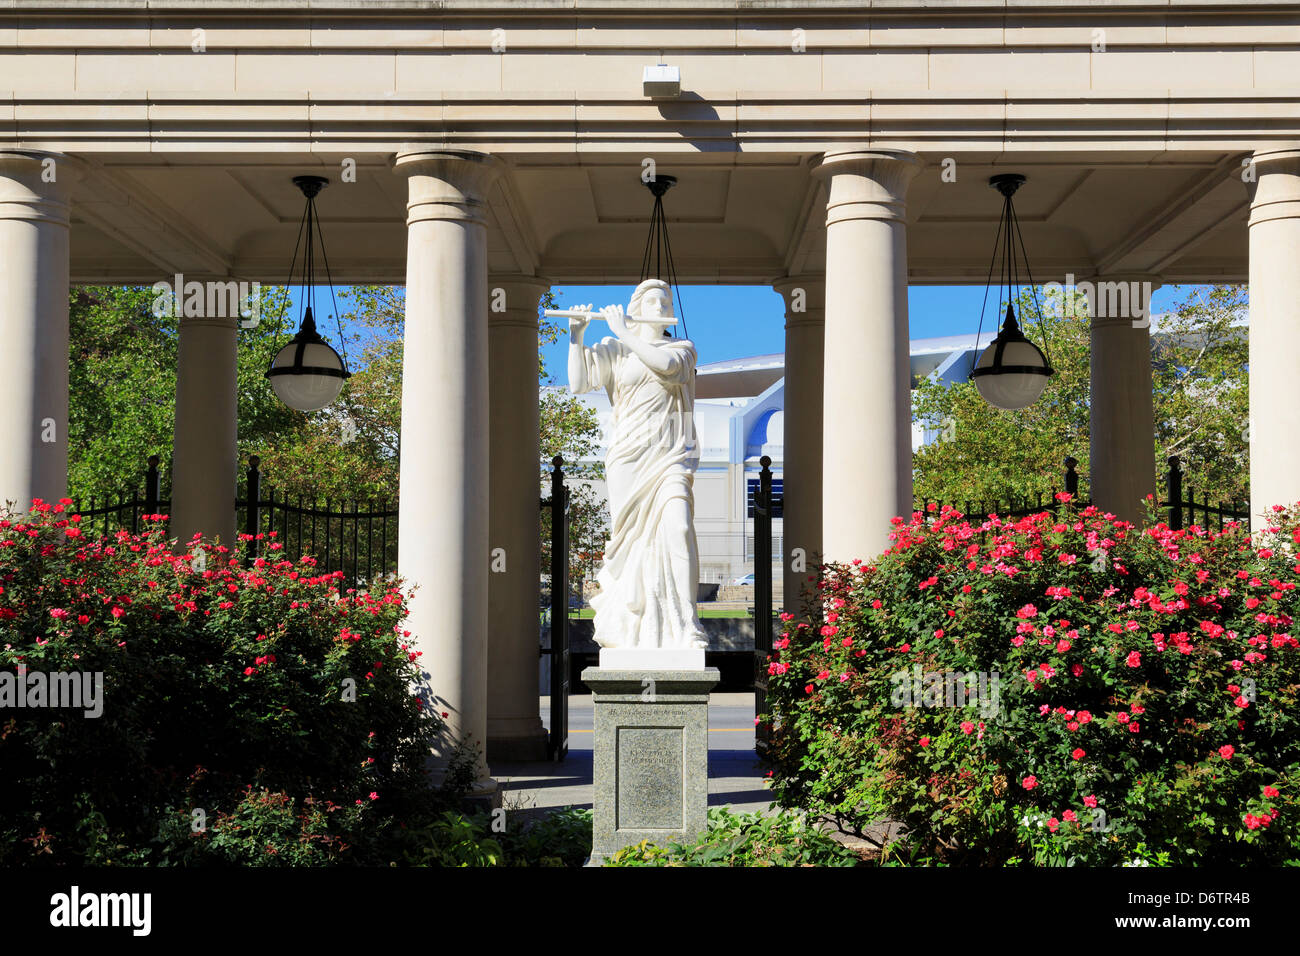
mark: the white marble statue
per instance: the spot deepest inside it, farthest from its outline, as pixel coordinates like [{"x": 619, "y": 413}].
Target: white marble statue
[{"x": 648, "y": 578}]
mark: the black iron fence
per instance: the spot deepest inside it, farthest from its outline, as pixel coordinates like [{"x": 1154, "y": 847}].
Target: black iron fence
[
  {"x": 558, "y": 506},
  {"x": 358, "y": 538},
  {"x": 1014, "y": 506},
  {"x": 103, "y": 515},
  {"x": 1182, "y": 504}
]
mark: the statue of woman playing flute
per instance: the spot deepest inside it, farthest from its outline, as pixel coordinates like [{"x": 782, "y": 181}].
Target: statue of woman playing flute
[{"x": 651, "y": 568}]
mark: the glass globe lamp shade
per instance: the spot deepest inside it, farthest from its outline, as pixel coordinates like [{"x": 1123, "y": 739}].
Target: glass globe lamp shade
[
  {"x": 1012, "y": 372},
  {"x": 307, "y": 375}
]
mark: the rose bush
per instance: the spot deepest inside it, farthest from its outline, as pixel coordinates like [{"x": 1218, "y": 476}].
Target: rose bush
[
  {"x": 228, "y": 691},
  {"x": 1136, "y": 692}
]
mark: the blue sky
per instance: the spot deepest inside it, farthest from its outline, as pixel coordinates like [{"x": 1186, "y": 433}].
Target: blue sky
[{"x": 728, "y": 322}]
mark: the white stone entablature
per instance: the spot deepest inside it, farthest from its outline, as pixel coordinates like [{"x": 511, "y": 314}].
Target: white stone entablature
[{"x": 1132, "y": 137}]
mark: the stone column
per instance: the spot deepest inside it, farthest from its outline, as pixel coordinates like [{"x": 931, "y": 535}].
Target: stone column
[
  {"x": 1122, "y": 458},
  {"x": 514, "y": 727},
  {"x": 805, "y": 334},
  {"x": 35, "y": 190},
  {"x": 1274, "y": 333},
  {"x": 867, "y": 458},
  {"x": 443, "y": 510},
  {"x": 204, "y": 458}
]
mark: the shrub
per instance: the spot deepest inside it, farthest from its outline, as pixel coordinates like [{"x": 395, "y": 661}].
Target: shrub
[
  {"x": 744, "y": 839},
  {"x": 560, "y": 838},
  {"x": 260, "y": 696},
  {"x": 1144, "y": 708}
]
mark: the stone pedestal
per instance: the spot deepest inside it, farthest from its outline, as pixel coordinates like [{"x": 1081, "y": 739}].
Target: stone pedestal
[{"x": 651, "y": 761}]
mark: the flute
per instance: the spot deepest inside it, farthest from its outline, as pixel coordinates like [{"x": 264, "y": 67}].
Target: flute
[{"x": 577, "y": 314}]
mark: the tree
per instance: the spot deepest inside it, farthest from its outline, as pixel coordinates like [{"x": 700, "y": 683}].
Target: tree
[
  {"x": 1200, "y": 396},
  {"x": 986, "y": 453},
  {"x": 570, "y": 429},
  {"x": 123, "y": 393},
  {"x": 122, "y": 386},
  {"x": 349, "y": 450},
  {"x": 1202, "y": 391}
]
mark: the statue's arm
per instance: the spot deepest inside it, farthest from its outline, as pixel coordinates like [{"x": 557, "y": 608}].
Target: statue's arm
[
  {"x": 577, "y": 364},
  {"x": 656, "y": 359},
  {"x": 579, "y": 380},
  {"x": 660, "y": 360},
  {"x": 590, "y": 367}
]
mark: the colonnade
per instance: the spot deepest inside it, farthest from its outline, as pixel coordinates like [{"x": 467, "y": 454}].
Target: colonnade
[{"x": 469, "y": 495}]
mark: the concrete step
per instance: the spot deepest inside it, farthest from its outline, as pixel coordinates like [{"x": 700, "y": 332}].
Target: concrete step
[{"x": 744, "y": 593}]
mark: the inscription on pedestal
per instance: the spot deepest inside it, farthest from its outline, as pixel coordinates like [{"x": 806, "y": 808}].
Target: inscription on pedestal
[{"x": 650, "y": 775}]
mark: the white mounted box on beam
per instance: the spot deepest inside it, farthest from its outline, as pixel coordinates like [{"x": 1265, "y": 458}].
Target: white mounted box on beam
[{"x": 662, "y": 81}]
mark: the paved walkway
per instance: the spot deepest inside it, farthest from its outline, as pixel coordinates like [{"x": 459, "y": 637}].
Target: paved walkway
[{"x": 735, "y": 779}]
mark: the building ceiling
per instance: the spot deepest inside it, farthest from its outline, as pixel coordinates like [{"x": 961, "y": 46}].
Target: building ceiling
[{"x": 733, "y": 218}]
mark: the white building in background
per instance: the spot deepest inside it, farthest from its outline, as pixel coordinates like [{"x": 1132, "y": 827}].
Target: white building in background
[{"x": 740, "y": 417}]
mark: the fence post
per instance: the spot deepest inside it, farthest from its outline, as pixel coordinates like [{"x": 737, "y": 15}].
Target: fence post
[
  {"x": 1175, "y": 494},
  {"x": 152, "y": 487},
  {"x": 763, "y": 558},
  {"x": 1071, "y": 476},
  {"x": 559, "y": 739},
  {"x": 253, "y": 489},
  {"x": 762, "y": 599}
]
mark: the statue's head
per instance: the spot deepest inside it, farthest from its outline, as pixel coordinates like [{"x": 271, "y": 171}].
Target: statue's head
[{"x": 652, "y": 307}]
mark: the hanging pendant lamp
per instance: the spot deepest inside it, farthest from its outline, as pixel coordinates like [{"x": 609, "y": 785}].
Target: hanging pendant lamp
[
  {"x": 1012, "y": 372},
  {"x": 307, "y": 374}
]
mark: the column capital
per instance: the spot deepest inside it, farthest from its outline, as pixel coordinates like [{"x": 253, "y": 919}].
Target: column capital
[
  {"x": 805, "y": 298},
  {"x": 864, "y": 183},
  {"x": 1284, "y": 154},
  {"x": 447, "y": 184},
  {"x": 1274, "y": 189},
  {"x": 36, "y": 184},
  {"x": 521, "y": 294}
]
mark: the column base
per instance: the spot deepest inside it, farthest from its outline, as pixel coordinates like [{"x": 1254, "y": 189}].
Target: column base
[
  {"x": 527, "y": 742},
  {"x": 484, "y": 792},
  {"x": 485, "y": 795},
  {"x": 651, "y": 756}
]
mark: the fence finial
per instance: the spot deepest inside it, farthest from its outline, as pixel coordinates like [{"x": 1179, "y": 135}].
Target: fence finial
[
  {"x": 1175, "y": 483},
  {"x": 1071, "y": 476}
]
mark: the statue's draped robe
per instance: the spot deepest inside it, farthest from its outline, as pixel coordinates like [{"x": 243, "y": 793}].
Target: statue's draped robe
[{"x": 651, "y": 460}]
